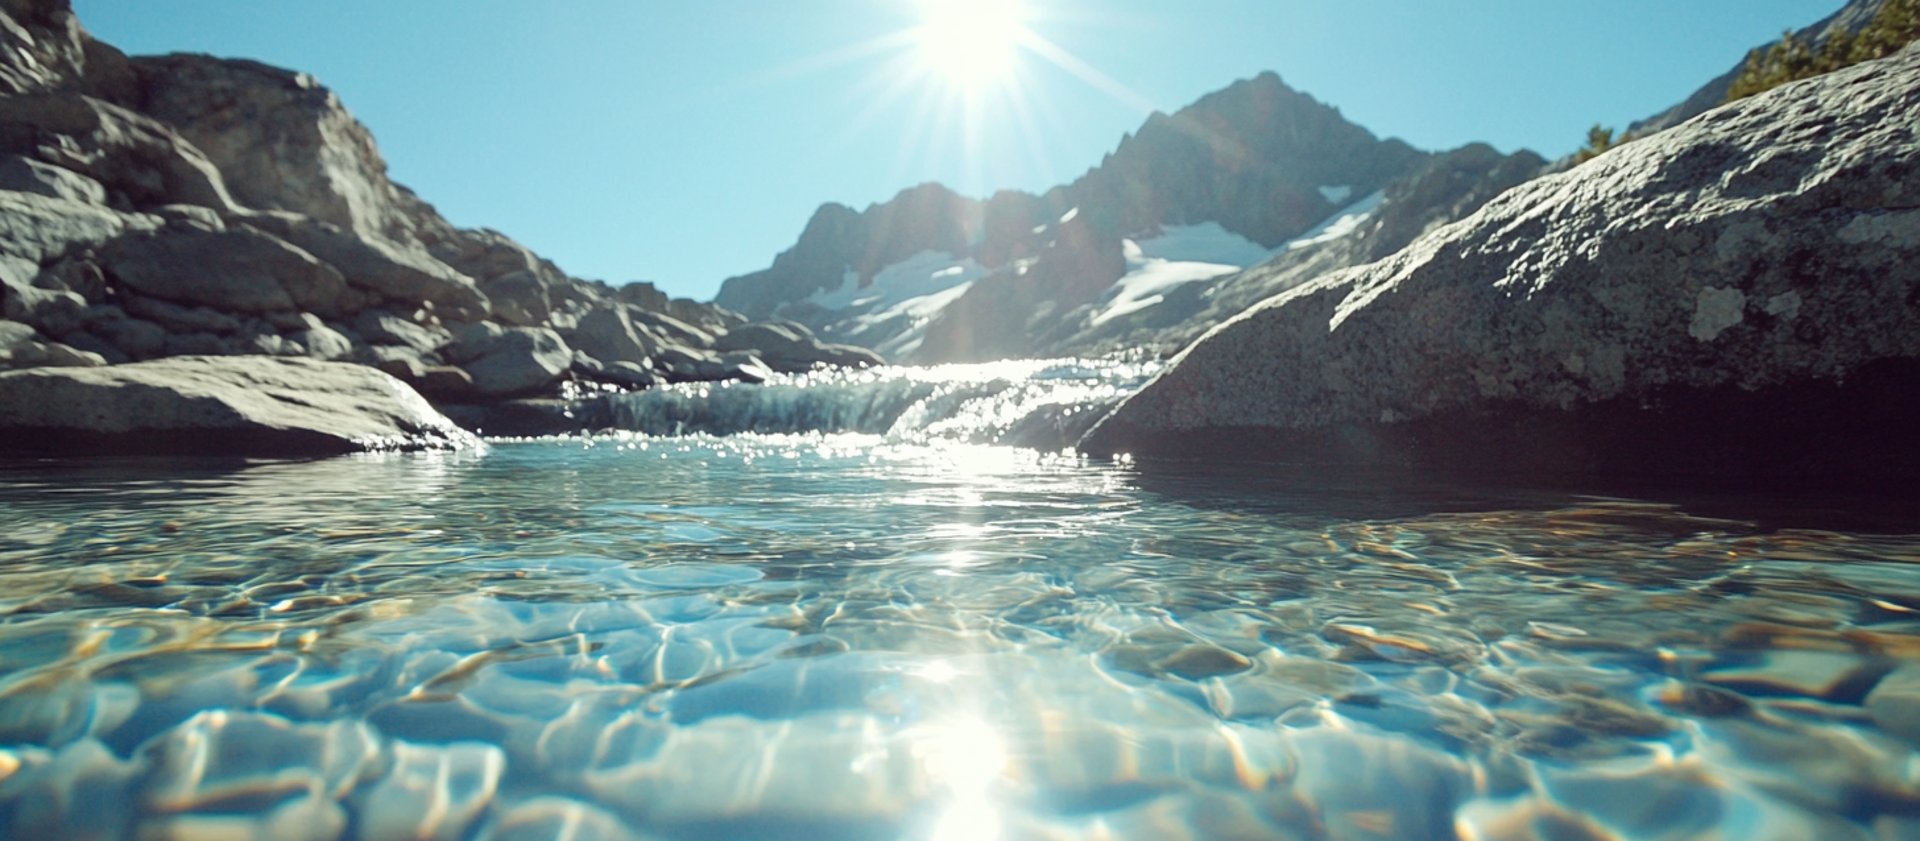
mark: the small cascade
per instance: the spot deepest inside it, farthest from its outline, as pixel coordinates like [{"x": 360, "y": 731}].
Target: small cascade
[{"x": 1030, "y": 403}]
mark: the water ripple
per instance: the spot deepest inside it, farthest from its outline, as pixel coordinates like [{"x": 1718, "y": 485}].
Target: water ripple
[{"x": 850, "y": 637}]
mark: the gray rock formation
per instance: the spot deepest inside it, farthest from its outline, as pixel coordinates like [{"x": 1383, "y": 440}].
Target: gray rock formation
[
  {"x": 44, "y": 49},
  {"x": 609, "y": 335},
  {"x": 282, "y": 140},
  {"x": 1658, "y": 302},
  {"x": 511, "y": 361},
  {"x": 143, "y": 161},
  {"x": 187, "y": 205},
  {"x": 41, "y": 228},
  {"x": 22, "y": 347},
  {"x": 386, "y": 271},
  {"x": 242, "y": 271},
  {"x": 251, "y": 406},
  {"x": 27, "y": 175}
]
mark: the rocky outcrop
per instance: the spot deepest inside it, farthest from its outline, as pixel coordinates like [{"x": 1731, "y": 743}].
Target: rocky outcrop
[
  {"x": 44, "y": 49},
  {"x": 189, "y": 205},
  {"x": 384, "y": 270},
  {"x": 240, "y": 271},
  {"x": 248, "y": 406},
  {"x": 143, "y": 162},
  {"x": 790, "y": 348},
  {"x": 22, "y": 347},
  {"x": 41, "y": 229},
  {"x": 1735, "y": 295},
  {"x": 281, "y": 139},
  {"x": 505, "y": 362}
]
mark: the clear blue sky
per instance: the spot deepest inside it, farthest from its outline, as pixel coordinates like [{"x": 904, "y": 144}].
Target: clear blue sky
[{"x": 684, "y": 142}]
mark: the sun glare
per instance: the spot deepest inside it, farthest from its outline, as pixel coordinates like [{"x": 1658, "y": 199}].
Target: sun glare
[{"x": 971, "y": 44}]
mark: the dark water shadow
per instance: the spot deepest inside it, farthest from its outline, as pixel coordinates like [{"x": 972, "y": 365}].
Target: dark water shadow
[{"x": 1389, "y": 493}]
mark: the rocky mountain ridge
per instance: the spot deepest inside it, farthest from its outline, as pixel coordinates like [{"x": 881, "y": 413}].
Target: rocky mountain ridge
[
  {"x": 1031, "y": 273},
  {"x": 1849, "y": 18},
  {"x": 183, "y": 204}
]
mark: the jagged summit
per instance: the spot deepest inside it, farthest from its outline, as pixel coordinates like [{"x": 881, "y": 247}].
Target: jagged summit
[{"x": 1258, "y": 159}]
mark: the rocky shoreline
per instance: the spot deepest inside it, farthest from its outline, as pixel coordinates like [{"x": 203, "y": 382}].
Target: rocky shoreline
[{"x": 184, "y": 205}]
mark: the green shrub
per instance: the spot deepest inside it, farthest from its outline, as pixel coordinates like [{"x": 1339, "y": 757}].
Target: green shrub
[
  {"x": 1895, "y": 25},
  {"x": 1599, "y": 139}
]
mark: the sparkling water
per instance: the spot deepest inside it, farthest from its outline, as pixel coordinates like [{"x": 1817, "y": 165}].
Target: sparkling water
[{"x": 854, "y": 637}]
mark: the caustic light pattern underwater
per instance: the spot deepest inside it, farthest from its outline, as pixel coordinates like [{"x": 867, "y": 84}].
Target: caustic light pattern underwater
[{"x": 850, "y": 636}]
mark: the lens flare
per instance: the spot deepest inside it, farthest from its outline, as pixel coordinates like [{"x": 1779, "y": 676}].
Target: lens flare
[{"x": 971, "y": 44}]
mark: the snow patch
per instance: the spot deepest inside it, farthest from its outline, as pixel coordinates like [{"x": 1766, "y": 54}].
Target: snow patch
[
  {"x": 1206, "y": 242},
  {"x": 923, "y": 274},
  {"x": 1180, "y": 254},
  {"x": 1337, "y": 194},
  {"x": 1343, "y": 221},
  {"x": 913, "y": 289}
]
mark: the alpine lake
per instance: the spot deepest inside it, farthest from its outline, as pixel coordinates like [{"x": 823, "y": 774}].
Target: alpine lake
[{"x": 852, "y": 632}]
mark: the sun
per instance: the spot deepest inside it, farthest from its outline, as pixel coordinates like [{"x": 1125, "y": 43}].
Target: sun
[{"x": 971, "y": 45}]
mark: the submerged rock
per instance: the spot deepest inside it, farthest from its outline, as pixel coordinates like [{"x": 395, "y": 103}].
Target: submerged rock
[
  {"x": 1895, "y": 703},
  {"x": 243, "y": 405},
  {"x": 1732, "y": 297}
]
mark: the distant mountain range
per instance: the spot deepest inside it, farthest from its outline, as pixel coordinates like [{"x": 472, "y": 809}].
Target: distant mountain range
[{"x": 1247, "y": 192}]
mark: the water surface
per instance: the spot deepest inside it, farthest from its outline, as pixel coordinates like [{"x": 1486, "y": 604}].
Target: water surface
[{"x": 842, "y": 637}]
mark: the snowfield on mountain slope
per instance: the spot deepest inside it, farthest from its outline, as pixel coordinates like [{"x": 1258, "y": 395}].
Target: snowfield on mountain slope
[
  {"x": 918, "y": 287},
  {"x": 1183, "y": 254}
]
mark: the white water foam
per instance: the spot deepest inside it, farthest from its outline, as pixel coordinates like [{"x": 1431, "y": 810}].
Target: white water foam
[{"x": 995, "y": 402}]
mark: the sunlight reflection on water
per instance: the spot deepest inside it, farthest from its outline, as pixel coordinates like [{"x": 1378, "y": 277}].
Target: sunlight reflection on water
[{"x": 817, "y": 636}]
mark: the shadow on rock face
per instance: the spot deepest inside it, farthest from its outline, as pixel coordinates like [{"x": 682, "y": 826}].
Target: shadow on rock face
[{"x": 1819, "y": 454}]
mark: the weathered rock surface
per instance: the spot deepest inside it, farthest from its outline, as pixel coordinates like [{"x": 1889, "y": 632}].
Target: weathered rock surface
[
  {"x": 252, "y": 406},
  {"x": 239, "y": 271},
  {"x": 511, "y": 361},
  {"x": 186, "y": 205},
  {"x": 283, "y": 141},
  {"x": 41, "y": 228},
  {"x": 21, "y": 347},
  {"x": 55, "y": 312},
  {"x": 609, "y": 335},
  {"x": 46, "y": 50},
  {"x": 143, "y": 161},
  {"x": 388, "y": 271},
  {"x": 27, "y": 175},
  {"x": 1639, "y": 306}
]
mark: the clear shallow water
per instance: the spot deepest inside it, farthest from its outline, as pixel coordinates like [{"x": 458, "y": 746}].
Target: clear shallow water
[{"x": 837, "y": 637}]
